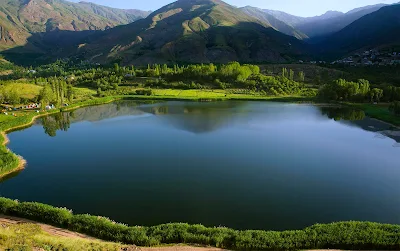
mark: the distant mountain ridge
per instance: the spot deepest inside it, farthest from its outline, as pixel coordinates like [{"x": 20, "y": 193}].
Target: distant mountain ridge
[
  {"x": 326, "y": 24},
  {"x": 274, "y": 22},
  {"x": 379, "y": 29}
]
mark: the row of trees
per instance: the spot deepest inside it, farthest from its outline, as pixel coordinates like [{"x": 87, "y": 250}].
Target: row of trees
[
  {"x": 342, "y": 90},
  {"x": 56, "y": 91}
]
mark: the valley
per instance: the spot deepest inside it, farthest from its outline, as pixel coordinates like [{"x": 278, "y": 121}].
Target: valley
[{"x": 253, "y": 128}]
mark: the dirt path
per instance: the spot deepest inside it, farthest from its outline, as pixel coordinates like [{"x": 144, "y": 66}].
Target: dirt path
[{"x": 55, "y": 231}]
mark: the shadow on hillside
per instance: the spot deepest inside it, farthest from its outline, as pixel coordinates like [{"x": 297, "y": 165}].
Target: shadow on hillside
[
  {"x": 45, "y": 47},
  {"x": 166, "y": 39}
]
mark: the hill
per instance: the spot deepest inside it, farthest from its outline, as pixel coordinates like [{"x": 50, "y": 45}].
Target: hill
[
  {"x": 20, "y": 18},
  {"x": 273, "y": 22},
  {"x": 378, "y": 29},
  {"x": 194, "y": 31},
  {"x": 326, "y": 24}
]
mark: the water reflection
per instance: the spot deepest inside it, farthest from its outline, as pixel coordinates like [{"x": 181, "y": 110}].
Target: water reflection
[
  {"x": 198, "y": 117},
  {"x": 357, "y": 118},
  {"x": 343, "y": 113}
]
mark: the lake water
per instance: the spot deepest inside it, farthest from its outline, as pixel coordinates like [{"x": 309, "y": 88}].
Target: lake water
[{"x": 245, "y": 165}]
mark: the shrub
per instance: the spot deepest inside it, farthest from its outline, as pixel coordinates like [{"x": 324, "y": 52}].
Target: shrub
[
  {"x": 341, "y": 235},
  {"x": 145, "y": 92},
  {"x": 6, "y": 204},
  {"x": 395, "y": 107},
  {"x": 42, "y": 213}
]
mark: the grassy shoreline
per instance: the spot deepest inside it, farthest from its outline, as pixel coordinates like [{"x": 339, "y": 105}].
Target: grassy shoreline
[
  {"x": 350, "y": 235},
  {"x": 378, "y": 111}
]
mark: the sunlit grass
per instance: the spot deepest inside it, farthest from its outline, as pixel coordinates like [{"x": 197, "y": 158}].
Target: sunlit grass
[
  {"x": 24, "y": 90},
  {"x": 31, "y": 237}
]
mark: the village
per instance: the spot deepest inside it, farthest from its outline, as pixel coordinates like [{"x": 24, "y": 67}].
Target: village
[{"x": 371, "y": 57}]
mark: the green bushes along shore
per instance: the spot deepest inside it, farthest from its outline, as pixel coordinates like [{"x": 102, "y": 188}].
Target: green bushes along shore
[{"x": 341, "y": 235}]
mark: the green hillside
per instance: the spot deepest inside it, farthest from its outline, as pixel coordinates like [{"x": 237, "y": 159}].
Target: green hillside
[{"x": 194, "y": 31}]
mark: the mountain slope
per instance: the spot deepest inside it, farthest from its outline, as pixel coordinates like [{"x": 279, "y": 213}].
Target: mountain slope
[
  {"x": 316, "y": 28},
  {"x": 194, "y": 31},
  {"x": 20, "y": 18},
  {"x": 380, "y": 28},
  {"x": 119, "y": 16},
  {"x": 326, "y": 24},
  {"x": 273, "y": 22}
]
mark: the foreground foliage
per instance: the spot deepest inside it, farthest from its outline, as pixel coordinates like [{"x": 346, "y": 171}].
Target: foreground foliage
[{"x": 342, "y": 235}]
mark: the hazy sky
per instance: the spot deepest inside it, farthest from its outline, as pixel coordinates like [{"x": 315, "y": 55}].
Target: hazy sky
[{"x": 296, "y": 7}]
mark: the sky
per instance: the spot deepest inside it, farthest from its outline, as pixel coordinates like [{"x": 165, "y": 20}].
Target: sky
[{"x": 305, "y": 8}]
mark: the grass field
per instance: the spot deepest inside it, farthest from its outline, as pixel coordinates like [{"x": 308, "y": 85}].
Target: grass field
[
  {"x": 190, "y": 93},
  {"x": 31, "y": 237},
  {"x": 24, "y": 90}
]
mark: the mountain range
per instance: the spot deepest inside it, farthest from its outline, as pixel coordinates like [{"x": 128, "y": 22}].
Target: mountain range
[{"x": 190, "y": 31}]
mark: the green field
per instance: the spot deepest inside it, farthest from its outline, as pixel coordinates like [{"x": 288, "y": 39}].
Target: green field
[{"x": 24, "y": 90}]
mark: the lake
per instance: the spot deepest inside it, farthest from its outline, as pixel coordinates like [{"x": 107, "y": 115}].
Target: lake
[{"x": 244, "y": 165}]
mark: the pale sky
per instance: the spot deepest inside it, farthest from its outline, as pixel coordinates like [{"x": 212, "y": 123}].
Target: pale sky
[{"x": 303, "y": 8}]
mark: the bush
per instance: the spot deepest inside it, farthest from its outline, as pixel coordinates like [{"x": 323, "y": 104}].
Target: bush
[
  {"x": 341, "y": 235},
  {"x": 6, "y": 204},
  {"x": 146, "y": 92},
  {"x": 395, "y": 107},
  {"x": 42, "y": 213}
]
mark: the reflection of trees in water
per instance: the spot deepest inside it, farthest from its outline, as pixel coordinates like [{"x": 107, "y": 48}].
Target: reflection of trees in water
[
  {"x": 196, "y": 117},
  {"x": 343, "y": 113},
  {"x": 359, "y": 119},
  {"x": 60, "y": 121}
]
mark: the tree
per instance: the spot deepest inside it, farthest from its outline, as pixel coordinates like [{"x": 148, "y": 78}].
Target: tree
[
  {"x": 376, "y": 95},
  {"x": 70, "y": 93},
  {"x": 46, "y": 95},
  {"x": 395, "y": 107},
  {"x": 301, "y": 76},
  {"x": 291, "y": 74},
  {"x": 13, "y": 97},
  {"x": 99, "y": 92},
  {"x": 116, "y": 68},
  {"x": 284, "y": 73}
]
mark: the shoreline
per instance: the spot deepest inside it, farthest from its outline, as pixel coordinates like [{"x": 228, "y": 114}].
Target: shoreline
[{"x": 22, "y": 163}]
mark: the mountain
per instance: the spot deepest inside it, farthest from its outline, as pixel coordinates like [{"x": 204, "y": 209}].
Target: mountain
[
  {"x": 119, "y": 16},
  {"x": 20, "y": 18},
  {"x": 296, "y": 20},
  {"x": 193, "y": 31},
  {"x": 378, "y": 29},
  {"x": 273, "y": 22},
  {"x": 285, "y": 17},
  {"x": 326, "y": 24},
  {"x": 316, "y": 28}
]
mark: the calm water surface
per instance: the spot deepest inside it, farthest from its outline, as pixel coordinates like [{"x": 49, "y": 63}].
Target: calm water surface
[{"x": 244, "y": 165}]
